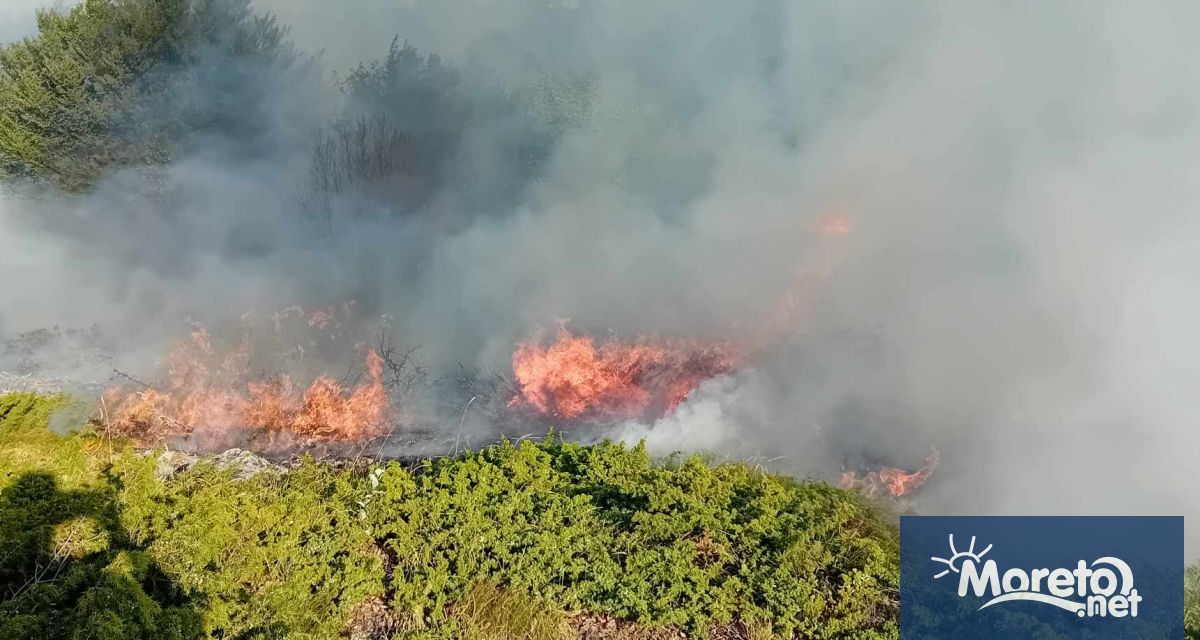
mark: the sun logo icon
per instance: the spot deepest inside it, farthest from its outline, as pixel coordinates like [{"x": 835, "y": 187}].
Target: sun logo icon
[{"x": 956, "y": 559}]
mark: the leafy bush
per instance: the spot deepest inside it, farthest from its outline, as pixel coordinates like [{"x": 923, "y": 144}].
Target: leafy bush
[
  {"x": 413, "y": 128},
  {"x": 605, "y": 528},
  {"x": 91, "y": 542},
  {"x": 67, "y": 569},
  {"x": 275, "y": 554}
]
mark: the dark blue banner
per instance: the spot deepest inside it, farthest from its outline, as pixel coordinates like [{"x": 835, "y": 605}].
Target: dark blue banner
[{"x": 1027, "y": 577}]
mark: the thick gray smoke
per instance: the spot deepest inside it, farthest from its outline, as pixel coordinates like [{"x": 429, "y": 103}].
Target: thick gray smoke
[{"x": 1016, "y": 292}]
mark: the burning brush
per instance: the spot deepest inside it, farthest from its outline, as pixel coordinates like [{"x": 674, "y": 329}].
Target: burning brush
[
  {"x": 574, "y": 378},
  {"x": 210, "y": 397},
  {"x": 891, "y": 481}
]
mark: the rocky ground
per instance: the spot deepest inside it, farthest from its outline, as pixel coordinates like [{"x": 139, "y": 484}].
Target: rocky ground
[{"x": 17, "y": 382}]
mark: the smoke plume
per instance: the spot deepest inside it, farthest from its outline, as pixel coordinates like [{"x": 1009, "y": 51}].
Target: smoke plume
[{"x": 1007, "y": 278}]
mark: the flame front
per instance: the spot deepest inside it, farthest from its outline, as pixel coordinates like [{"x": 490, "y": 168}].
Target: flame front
[
  {"x": 207, "y": 398},
  {"x": 573, "y": 378}
]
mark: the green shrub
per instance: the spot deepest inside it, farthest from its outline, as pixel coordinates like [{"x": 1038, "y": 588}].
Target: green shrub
[
  {"x": 67, "y": 569},
  {"x": 605, "y": 528},
  {"x": 414, "y": 126},
  {"x": 276, "y": 554},
  {"x": 498, "y": 514},
  {"x": 95, "y": 545},
  {"x": 1191, "y": 603}
]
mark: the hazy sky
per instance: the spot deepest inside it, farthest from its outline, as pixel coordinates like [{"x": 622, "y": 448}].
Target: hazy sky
[{"x": 18, "y": 18}]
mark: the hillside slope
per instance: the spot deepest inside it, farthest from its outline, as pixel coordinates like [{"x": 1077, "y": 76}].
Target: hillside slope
[{"x": 538, "y": 540}]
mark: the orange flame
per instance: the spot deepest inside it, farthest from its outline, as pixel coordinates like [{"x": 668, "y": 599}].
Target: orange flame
[
  {"x": 206, "y": 398},
  {"x": 890, "y": 481},
  {"x": 572, "y": 378},
  {"x": 837, "y": 225}
]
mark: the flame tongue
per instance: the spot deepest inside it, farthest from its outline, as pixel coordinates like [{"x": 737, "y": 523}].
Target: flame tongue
[
  {"x": 572, "y": 378},
  {"x": 326, "y": 413},
  {"x": 207, "y": 397},
  {"x": 891, "y": 481}
]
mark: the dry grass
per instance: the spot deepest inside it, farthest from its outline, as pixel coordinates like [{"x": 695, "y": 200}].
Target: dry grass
[{"x": 490, "y": 612}]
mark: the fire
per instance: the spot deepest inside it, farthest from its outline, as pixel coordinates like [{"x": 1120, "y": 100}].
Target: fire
[
  {"x": 208, "y": 396},
  {"x": 326, "y": 413},
  {"x": 794, "y": 304},
  {"x": 837, "y": 225},
  {"x": 573, "y": 378},
  {"x": 890, "y": 481}
]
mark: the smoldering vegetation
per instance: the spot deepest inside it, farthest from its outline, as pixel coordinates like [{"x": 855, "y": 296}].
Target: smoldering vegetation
[{"x": 924, "y": 227}]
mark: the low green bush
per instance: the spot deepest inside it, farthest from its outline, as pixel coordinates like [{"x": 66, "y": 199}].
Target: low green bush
[
  {"x": 94, "y": 545},
  {"x": 605, "y": 528},
  {"x": 274, "y": 555},
  {"x": 1191, "y": 603},
  {"x": 67, "y": 568}
]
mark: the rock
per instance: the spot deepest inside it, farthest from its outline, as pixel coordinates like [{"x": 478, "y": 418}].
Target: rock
[
  {"x": 245, "y": 463},
  {"x": 11, "y": 382},
  {"x": 15, "y": 382},
  {"x": 173, "y": 462}
]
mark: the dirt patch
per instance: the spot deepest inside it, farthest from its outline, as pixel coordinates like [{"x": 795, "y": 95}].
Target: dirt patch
[
  {"x": 598, "y": 626},
  {"x": 373, "y": 620}
]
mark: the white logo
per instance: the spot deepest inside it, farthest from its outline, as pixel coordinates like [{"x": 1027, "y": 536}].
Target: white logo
[{"x": 1103, "y": 588}]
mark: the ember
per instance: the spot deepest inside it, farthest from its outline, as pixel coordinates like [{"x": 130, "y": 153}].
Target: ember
[{"x": 573, "y": 378}]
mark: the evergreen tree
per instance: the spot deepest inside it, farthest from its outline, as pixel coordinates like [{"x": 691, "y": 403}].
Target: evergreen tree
[{"x": 117, "y": 82}]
